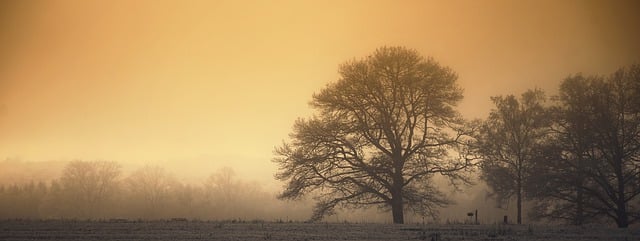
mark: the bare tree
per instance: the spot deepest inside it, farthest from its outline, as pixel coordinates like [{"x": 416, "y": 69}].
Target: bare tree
[
  {"x": 508, "y": 143},
  {"x": 223, "y": 185},
  {"x": 385, "y": 128},
  {"x": 232, "y": 197},
  {"x": 599, "y": 132},
  {"x": 154, "y": 185},
  {"x": 88, "y": 185}
]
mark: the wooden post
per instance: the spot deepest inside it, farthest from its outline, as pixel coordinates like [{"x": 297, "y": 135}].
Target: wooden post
[{"x": 476, "y": 216}]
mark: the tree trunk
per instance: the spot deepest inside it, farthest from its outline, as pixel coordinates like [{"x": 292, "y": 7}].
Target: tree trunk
[
  {"x": 622, "y": 218},
  {"x": 397, "y": 202},
  {"x": 397, "y": 210},
  {"x": 519, "y": 202},
  {"x": 579, "y": 218}
]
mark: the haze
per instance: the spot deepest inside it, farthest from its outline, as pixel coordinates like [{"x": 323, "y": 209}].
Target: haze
[{"x": 205, "y": 84}]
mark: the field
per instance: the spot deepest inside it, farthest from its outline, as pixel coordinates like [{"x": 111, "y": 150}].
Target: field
[{"x": 201, "y": 230}]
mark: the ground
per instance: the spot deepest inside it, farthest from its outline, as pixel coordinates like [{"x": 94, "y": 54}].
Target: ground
[{"x": 257, "y": 230}]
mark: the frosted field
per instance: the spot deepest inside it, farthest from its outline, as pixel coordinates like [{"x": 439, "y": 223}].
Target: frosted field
[{"x": 197, "y": 230}]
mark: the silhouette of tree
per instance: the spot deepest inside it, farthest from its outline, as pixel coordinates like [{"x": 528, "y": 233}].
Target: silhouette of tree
[
  {"x": 597, "y": 169},
  {"x": 153, "y": 185},
  {"x": 385, "y": 128},
  {"x": 54, "y": 203},
  {"x": 560, "y": 170},
  {"x": 188, "y": 198},
  {"x": 223, "y": 186},
  {"x": 508, "y": 142},
  {"x": 231, "y": 197},
  {"x": 88, "y": 185}
]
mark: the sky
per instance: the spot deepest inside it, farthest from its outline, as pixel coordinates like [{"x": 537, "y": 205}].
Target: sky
[{"x": 204, "y": 84}]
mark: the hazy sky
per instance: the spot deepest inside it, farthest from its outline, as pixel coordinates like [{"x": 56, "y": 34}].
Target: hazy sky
[{"x": 220, "y": 83}]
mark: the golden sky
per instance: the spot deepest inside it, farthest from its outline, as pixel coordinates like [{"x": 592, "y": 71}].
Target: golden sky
[{"x": 221, "y": 82}]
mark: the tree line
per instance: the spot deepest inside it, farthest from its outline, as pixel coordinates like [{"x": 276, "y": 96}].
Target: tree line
[
  {"x": 576, "y": 156},
  {"x": 100, "y": 190},
  {"x": 389, "y": 125}
]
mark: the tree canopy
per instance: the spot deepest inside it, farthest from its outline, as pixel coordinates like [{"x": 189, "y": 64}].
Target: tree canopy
[
  {"x": 508, "y": 143},
  {"x": 595, "y": 171},
  {"x": 382, "y": 131}
]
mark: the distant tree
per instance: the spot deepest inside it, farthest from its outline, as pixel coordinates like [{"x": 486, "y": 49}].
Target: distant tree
[
  {"x": 598, "y": 128},
  {"x": 89, "y": 185},
  {"x": 188, "y": 198},
  {"x": 223, "y": 185},
  {"x": 509, "y": 142},
  {"x": 22, "y": 200},
  {"x": 54, "y": 203},
  {"x": 154, "y": 186},
  {"x": 385, "y": 128},
  {"x": 226, "y": 194}
]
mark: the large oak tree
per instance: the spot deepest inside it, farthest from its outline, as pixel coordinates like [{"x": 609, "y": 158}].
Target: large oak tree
[{"x": 383, "y": 130}]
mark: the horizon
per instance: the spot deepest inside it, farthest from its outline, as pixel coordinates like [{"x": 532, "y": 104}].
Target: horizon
[{"x": 194, "y": 87}]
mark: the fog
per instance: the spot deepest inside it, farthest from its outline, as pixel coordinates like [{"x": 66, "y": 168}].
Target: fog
[
  {"x": 36, "y": 190},
  {"x": 203, "y": 86}
]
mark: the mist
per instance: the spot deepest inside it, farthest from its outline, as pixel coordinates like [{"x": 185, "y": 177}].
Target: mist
[
  {"x": 33, "y": 190},
  {"x": 199, "y": 94}
]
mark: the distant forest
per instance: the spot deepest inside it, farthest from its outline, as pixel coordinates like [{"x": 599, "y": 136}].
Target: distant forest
[{"x": 99, "y": 190}]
